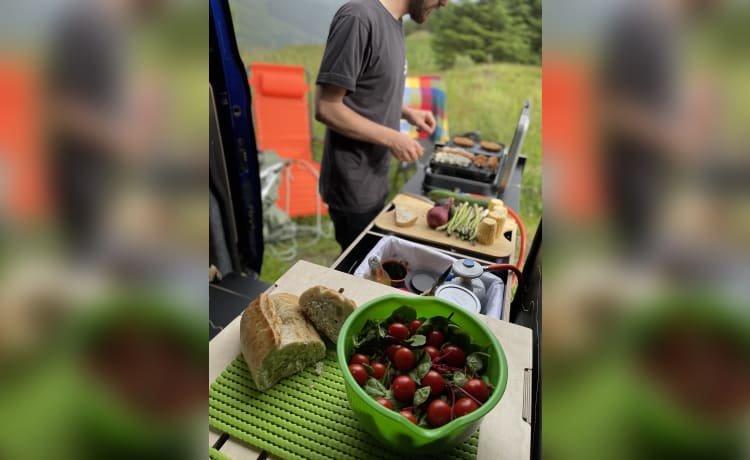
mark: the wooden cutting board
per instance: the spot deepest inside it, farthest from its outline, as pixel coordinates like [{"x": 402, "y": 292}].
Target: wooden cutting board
[{"x": 386, "y": 220}]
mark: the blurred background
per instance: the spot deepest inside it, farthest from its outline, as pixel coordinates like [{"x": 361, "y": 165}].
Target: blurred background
[
  {"x": 103, "y": 228},
  {"x": 646, "y": 342}
]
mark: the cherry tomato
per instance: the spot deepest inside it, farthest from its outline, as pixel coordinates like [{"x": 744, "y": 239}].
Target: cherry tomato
[
  {"x": 403, "y": 359},
  {"x": 391, "y": 350},
  {"x": 438, "y": 413},
  {"x": 398, "y": 330},
  {"x": 359, "y": 358},
  {"x": 378, "y": 370},
  {"x": 408, "y": 414},
  {"x": 435, "y": 338},
  {"x": 404, "y": 388},
  {"x": 435, "y": 381},
  {"x": 432, "y": 351},
  {"x": 359, "y": 373},
  {"x": 381, "y": 400},
  {"x": 414, "y": 325},
  {"x": 478, "y": 389},
  {"x": 454, "y": 356},
  {"x": 464, "y": 406}
]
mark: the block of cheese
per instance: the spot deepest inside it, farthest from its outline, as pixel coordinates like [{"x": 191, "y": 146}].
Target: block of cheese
[
  {"x": 499, "y": 218},
  {"x": 497, "y": 205},
  {"x": 486, "y": 234},
  {"x": 276, "y": 339}
]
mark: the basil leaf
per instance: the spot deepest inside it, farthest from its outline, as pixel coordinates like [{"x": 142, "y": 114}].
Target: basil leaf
[
  {"x": 424, "y": 366},
  {"x": 475, "y": 361},
  {"x": 387, "y": 373},
  {"x": 459, "y": 378},
  {"x": 389, "y": 397},
  {"x": 368, "y": 335},
  {"x": 382, "y": 330},
  {"x": 374, "y": 388},
  {"x": 422, "y": 420},
  {"x": 413, "y": 374},
  {"x": 403, "y": 314},
  {"x": 417, "y": 340},
  {"x": 421, "y": 396},
  {"x": 368, "y": 369},
  {"x": 435, "y": 323},
  {"x": 457, "y": 336}
]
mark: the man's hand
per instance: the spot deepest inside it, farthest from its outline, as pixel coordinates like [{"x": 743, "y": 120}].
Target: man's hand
[
  {"x": 422, "y": 119},
  {"x": 404, "y": 147}
]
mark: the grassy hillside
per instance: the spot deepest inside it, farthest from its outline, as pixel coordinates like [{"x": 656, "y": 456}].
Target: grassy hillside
[
  {"x": 278, "y": 23},
  {"x": 484, "y": 97}
]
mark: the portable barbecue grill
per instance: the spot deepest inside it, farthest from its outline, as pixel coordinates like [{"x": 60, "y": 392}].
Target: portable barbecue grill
[{"x": 471, "y": 178}]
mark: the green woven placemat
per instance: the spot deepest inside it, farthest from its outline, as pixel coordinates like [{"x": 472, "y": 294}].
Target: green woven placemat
[
  {"x": 305, "y": 416},
  {"x": 214, "y": 454}
]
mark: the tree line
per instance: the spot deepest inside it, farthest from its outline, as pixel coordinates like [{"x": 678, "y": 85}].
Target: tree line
[{"x": 485, "y": 31}]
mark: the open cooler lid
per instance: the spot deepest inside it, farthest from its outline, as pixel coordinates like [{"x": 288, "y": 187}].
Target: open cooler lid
[{"x": 515, "y": 147}]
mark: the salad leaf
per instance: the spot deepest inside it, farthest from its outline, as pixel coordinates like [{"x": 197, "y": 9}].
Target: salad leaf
[
  {"x": 386, "y": 374},
  {"x": 403, "y": 314},
  {"x": 413, "y": 374},
  {"x": 459, "y": 378},
  {"x": 394, "y": 402},
  {"x": 382, "y": 330},
  {"x": 457, "y": 336},
  {"x": 421, "y": 395},
  {"x": 475, "y": 361},
  {"x": 435, "y": 323},
  {"x": 422, "y": 420},
  {"x": 369, "y": 335},
  {"x": 424, "y": 366},
  {"x": 374, "y": 388},
  {"x": 417, "y": 340}
]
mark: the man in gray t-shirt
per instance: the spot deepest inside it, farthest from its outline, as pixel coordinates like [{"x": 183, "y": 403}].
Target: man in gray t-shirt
[{"x": 359, "y": 96}]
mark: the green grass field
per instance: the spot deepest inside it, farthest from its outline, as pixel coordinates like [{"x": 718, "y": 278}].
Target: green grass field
[{"x": 486, "y": 97}]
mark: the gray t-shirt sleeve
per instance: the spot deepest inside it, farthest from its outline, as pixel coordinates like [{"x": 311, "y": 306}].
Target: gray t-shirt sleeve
[{"x": 345, "y": 53}]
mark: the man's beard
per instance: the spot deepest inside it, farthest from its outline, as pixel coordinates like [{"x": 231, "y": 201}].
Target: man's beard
[{"x": 417, "y": 12}]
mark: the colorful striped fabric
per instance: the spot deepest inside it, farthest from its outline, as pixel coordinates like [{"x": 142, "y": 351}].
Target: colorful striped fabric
[{"x": 427, "y": 92}]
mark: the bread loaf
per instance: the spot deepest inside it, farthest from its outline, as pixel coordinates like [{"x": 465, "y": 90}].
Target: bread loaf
[
  {"x": 276, "y": 339},
  {"x": 327, "y": 309},
  {"x": 405, "y": 216}
]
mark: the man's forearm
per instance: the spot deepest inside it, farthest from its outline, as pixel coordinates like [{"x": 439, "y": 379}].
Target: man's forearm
[
  {"x": 344, "y": 120},
  {"x": 78, "y": 118},
  {"x": 642, "y": 123},
  {"x": 405, "y": 112}
]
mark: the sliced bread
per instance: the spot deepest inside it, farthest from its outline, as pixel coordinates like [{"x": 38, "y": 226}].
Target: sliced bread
[
  {"x": 327, "y": 309},
  {"x": 276, "y": 339},
  {"x": 405, "y": 216}
]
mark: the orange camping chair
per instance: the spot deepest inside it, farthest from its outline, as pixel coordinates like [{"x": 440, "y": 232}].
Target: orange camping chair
[
  {"x": 23, "y": 193},
  {"x": 282, "y": 123},
  {"x": 569, "y": 140}
]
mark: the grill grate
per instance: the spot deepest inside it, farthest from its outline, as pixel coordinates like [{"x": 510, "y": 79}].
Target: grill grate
[{"x": 304, "y": 416}]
